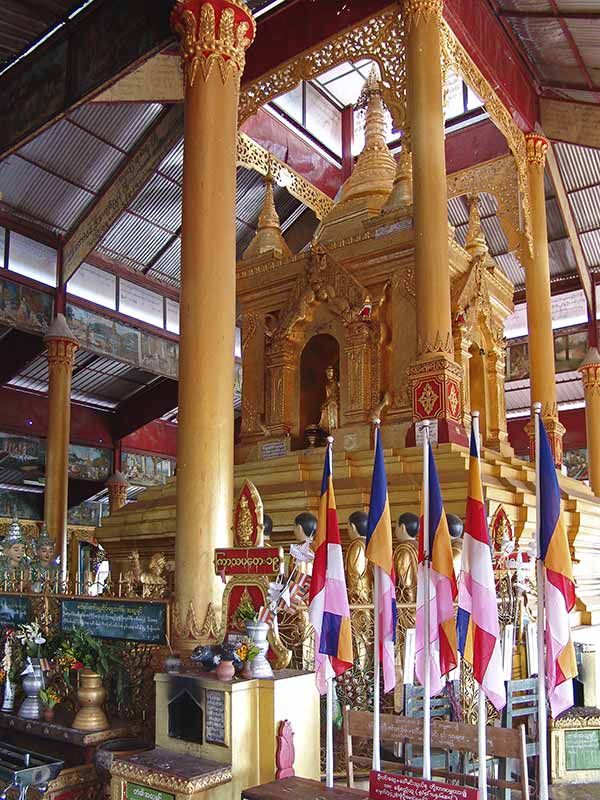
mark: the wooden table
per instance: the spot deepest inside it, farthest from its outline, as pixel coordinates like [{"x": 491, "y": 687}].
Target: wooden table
[{"x": 301, "y": 789}]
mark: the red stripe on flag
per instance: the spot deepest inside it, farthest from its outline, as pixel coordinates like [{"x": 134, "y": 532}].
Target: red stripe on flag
[
  {"x": 483, "y": 647},
  {"x": 564, "y": 585},
  {"x": 475, "y": 523},
  {"x": 447, "y": 653}
]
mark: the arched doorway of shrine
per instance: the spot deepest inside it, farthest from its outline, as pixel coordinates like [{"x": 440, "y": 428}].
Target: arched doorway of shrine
[{"x": 320, "y": 352}]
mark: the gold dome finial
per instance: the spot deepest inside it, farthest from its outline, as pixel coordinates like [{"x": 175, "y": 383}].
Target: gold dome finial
[
  {"x": 476, "y": 244},
  {"x": 268, "y": 237}
]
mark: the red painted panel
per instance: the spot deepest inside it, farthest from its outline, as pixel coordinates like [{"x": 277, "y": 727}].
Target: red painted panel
[
  {"x": 574, "y": 439},
  {"x": 484, "y": 38},
  {"x": 26, "y": 413},
  {"x": 156, "y": 437},
  {"x": 474, "y": 145},
  {"x": 280, "y": 140}
]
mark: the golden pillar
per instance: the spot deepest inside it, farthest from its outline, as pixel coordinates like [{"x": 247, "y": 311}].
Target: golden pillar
[
  {"x": 590, "y": 375},
  {"x": 62, "y": 346},
  {"x": 435, "y": 378},
  {"x": 117, "y": 486},
  {"x": 214, "y": 36},
  {"x": 539, "y": 307}
]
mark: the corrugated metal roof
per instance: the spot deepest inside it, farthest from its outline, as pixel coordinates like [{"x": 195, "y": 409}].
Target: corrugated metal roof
[
  {"x": 172, "y": 164},
  {"x": 67, "y": 150},
  {"x": 120, "y": 124},
  {"x": 133, "y": 240},
  {"x": 160, "y": 202},
  {"x": 511, "y": 266},
  {"x": 579, "y": 166},
  {"x": 590, "y": 244},
  {"x": 168, "y": 266},
  {"x": 586, "y": 208}
]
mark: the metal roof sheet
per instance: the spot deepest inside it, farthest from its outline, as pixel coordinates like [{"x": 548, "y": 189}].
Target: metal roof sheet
[
  {"x": 160, "y": 202},
  {"x": 579, "y": 166},
  {"x": 134, "y": 240},
  {"x": 120, "y": 124},
  {"x": 586, "y": 208},
  {"x": 590, "y": 244}
]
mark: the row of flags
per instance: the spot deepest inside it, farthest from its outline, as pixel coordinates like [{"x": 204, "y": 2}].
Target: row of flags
[{"x": 475, "y": 631}]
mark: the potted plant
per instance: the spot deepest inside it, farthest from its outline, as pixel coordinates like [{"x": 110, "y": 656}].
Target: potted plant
[
  {"x": 93, "y": 660},
  {"x": 49, "y": 698},
  {"x": 257, "y": 633}
]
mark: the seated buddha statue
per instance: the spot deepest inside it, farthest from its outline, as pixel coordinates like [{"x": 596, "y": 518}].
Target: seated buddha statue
[
  {"x": 330, "y": 410},
  {"x": 359, "y": 575},
  {"x": 44, "y": 569},
  {"x": 405, "y": 557},
  {"x": 13, "y": 562}
]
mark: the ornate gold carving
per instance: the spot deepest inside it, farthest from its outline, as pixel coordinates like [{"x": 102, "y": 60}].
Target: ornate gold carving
[
  {"x": 453, "y": 400},
  {"x": 216, "y": 31},
  {"x": 437, "y": 345},
  {"x": 253, "y": 156},
  {"x": 457, "y": 57},
  {"x": 537, "y": 147},
  {"x": 428, "y": 398},
  {"x": 590, "y": 372},
  {"x": 172, "y": 783},
  {"x": 380, "y": 38},
  {"x": 581, "y": 718},
  {"x": 190, "y": 628},
  {"x": 61, "y": 353},
  {"x": 416, "y": 11}
]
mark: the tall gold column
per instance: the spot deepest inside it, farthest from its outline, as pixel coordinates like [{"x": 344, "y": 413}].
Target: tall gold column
[
  {"x": 62, "y": 346},
  {"x": 539, "y": 305},
  {"x": 435, "y": 377},
  {"x": 214, "y": 36},
  {"x": 590, "y": 375}
]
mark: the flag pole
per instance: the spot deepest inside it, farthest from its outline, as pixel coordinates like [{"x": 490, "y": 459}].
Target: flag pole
[
  {"x": 329, "y": 717},
  {"x": 481, "y": 707},
  {"x": 540, "y": 583},
  {"x": 426, "y": 610},
  {"x": 376, "y": 656}
]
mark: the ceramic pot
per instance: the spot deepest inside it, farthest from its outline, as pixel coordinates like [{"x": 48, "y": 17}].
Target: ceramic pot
[
  {"x": 258, "y": 632},
  {"x": 8, "y": 702},
  {"x": 247, "y": 670},
  {"x": 91, "y": 695},
  {"x": 49, "y": 714},
  {"x": 225, "y": 671},
  {"x": 31, "y": 707}
]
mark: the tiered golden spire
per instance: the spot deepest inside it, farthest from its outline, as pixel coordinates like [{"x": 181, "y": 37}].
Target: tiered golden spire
[
  {"x": 476, "y": 244},
  {"x": 268, "y": 237}
]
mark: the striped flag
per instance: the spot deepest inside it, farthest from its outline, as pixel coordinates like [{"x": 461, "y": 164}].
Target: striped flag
[
  {"x": 442, "y": 592},
  {"x": 559, "y": 585},
  {"x": 379, "y": 553},
  {"x": 477, "y": 622},
  {"x": 328, "y": 610}
]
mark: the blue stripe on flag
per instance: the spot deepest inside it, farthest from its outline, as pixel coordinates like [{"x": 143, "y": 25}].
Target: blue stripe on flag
[
  {"x": 462, "y": 628},
  {"x": 330, "y": 634},
  {"x": 378, "y": 488}
]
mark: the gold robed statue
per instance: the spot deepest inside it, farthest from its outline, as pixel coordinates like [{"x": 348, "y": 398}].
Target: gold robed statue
[{"x": 330, "y": 410}]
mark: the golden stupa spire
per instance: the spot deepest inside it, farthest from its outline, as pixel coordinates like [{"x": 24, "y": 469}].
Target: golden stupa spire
[
  {"x": 375, "y": 168},
  {"x": 268, "y": 237},
  {"x": 476, "y": 244}
]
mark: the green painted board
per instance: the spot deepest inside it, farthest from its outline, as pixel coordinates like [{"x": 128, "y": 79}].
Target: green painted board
[
  {"x": 117, "y": 619},
  {"x": 14, "y": 610},
  {"x": 137, "y": 792},
  {"x": 583, "y": 749}
]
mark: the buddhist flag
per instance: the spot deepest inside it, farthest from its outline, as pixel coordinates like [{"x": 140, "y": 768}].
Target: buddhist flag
[
  {"x": 442, "y": 591},
  {"x": 379, "y": 553},
  {"x": 559, "y": 586},
  {"x": 477, "y": 623},
  {"x": 328, "y": 610}
]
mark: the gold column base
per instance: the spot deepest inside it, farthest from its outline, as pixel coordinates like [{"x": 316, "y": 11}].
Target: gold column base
[
  {"x": 436, "y": 394},
  {"x": 555, "y": 431}
]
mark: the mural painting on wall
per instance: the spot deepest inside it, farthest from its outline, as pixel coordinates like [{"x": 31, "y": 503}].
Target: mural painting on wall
[
  {"x": 576, "y": 462},
  {"x": 88, "y": 513},
  {"x": 25, "y": 454},
  {"x": 159, "y": 355},
  {"x": 569, "y": 350},
  {"x": 24, "y": 505},
  {"x": 89, "y": 463},
  {"x": 517, "y": 362},
  {"x": 146, "y": 470},
  {"x": 24, "y": 307}
]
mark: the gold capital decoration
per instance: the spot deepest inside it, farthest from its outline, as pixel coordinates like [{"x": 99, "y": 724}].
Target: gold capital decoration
[
  {"x": 590, "y": 372},
  {"x": 61, "y": 352},
  {"x": 536, "y": 146},
  {"x": 213, "y": 31},
  {"x": 416, "y": 11}
]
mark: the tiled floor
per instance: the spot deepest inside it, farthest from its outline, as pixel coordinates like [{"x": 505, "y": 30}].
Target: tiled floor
[{"x": 581, "y": 791}]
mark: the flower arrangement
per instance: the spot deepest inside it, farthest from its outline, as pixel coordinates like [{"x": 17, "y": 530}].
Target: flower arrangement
[
  {"x": 77, "y": 649},
  {"x": 49, "y": 697},
  {"x": 245, "y": 611},
  {"x": 31, "y": 638},
  {"x": 247, "y": 650}
]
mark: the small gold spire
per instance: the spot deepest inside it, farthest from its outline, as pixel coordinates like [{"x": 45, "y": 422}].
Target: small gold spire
[
  {"x": 401, "y": 198},
  {"x": 476, "y": 244},
  {"x": 268, "y": 237}
]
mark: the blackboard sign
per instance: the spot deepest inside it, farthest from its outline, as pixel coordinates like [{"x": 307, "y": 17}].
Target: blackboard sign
[
  {"x": 215, "y": 717},
  {"x": 582, "y": 749},
  {"x": 14, "y": 610},
  {"x": 117, "y": 619}
]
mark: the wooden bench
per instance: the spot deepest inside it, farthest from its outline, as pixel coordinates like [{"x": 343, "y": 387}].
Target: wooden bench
[{"x": 455, "y": 736}]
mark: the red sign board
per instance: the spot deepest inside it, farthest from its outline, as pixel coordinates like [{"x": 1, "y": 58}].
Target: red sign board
[
  {"x": 247, "y": 560},
  {"x": 385, "y": 786}
]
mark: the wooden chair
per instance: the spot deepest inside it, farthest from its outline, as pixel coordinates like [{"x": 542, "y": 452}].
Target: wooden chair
[
  {"x": 521, "y": 708},
  {"x": 455, "y": 736},
  {"x": 414, "y": 698}
]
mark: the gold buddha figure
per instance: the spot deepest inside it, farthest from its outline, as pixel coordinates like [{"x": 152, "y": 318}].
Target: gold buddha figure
[
  {"x": 359, "y": 575},
  {"x": 330, "y": 410},
  {"x": 154, "y": 583},
  {"x": 405, "y": 557}
]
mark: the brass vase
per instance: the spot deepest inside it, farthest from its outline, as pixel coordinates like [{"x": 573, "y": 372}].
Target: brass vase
[{"x": 91, "y": 695}]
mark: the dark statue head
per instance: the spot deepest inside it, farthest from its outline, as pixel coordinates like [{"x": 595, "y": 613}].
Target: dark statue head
[
  {"x": 360, "y": 520},
  {"x": 308, "y": 523},
  {"x": 455, "y": 526},
  {"x": 268, "y": 526},
  {"x": 410, "y": 522}
]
